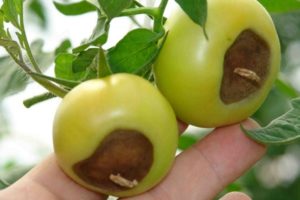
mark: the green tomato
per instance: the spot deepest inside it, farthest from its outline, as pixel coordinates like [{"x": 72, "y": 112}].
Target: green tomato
[
  {"x": 224, "y": 78},
  {"x": 116, "y": 135}
]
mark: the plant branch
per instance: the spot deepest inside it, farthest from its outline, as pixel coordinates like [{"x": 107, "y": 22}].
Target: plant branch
[
  {"x": 63, "y": 82},
  {"x": 159, "y": 16},
  {"x": 20, "y": 62},
  {"x": 37, "y": 99},
  {"x": 151, "y": 12},
  {"x": 54, "y": 89},
  {"x": 26, "y": 44},
  {"x": 155, "y": 13},
  {"x": 138, "y": 4}
]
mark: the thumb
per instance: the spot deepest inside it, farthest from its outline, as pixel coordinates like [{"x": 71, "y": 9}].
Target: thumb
[{"x": 235, "y": 196}]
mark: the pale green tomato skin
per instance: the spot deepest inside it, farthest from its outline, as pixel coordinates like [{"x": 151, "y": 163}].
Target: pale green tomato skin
[
  {"x": 189, "y": 68},
  {"x": 97, "y": 107}
]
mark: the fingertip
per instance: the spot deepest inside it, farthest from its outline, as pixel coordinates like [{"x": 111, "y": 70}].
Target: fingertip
[
  {"x": 212, "y": 163},
  {"x": 236, "y": 196},
  {"x": 237, "y": 130},
  {"x": 250, "y": 124},
  {"x": 231, "y": 150}
]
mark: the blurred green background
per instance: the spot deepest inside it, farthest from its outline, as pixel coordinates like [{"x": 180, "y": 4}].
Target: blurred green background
[{"x": 275, "y": 177}]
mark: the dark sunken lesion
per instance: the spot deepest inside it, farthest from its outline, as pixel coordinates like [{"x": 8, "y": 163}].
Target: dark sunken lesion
[
  {"x": 123, "y": 152},
  {"x": 250, "y": 52}
]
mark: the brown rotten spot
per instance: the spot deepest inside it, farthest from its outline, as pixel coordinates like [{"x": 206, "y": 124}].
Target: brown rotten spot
[
  {"x": 246, "y": 66},
  {"x": 122, "y": 159}
]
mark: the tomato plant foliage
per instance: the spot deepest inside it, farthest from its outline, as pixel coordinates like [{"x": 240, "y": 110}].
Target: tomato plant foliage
[
  {"x": 282, "y": 130},
  {"x": 196, "y": 9},
  {"x": 135, "y": 53},
  {"x": 139, "y": 43},
  {"x": 77, "y": 8}
]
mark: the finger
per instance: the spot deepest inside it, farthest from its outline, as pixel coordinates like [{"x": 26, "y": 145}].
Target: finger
[
  {"x": 47, "y": 181},
  {"x": 206, "y": 168},
  {"x": 52, "y": 177},
  {"x": 235, "y": 196}
]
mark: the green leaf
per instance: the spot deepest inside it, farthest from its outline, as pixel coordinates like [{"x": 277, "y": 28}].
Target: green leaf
[
  {"x": 196, "y": 10},
  {"x": 280, "y": 6},
  {"x": 282, "y": 130},
  {"x": 84, "y": 60},
  {"x": 134, "y": 52},
  {"x": 63, "y": 47},
  {"x": 103, "y": 67},
  {"x": 95, "y": 3},
  {"x": 13, "y": 79},
  {"x": 11, "y": 46},
  {"x": 98, "y": 37},
  {"x": 42, "y": 58},
  {"x": 12, "y": 10},
  {"x": 63, "y": 67},
  {"x": 275, "y": 105},
  {"x": 37, "y": 8},
  {"x": 77, "y": 8},
  {"x": 113, "y": 8}
]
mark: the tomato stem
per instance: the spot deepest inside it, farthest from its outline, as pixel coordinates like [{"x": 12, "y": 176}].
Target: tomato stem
[
  {"x": 137, "y": 11},
  {"x": 37, "y": 99},
  {"x": 54, "y": 89},
  {"x": 159, "y": 17},
  {"x": 155, "y": 13}
]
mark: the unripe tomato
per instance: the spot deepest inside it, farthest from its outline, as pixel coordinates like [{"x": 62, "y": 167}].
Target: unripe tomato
[
  {"x": 224, "y": 78},
  {"x": 116, "y": 135}
]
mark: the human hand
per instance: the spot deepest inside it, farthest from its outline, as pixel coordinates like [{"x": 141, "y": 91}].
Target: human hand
[{"x": 199, "y": 173}]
